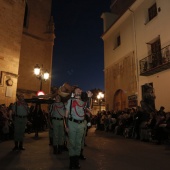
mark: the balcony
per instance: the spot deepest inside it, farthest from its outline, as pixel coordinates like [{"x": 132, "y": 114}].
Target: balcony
[{"x": 156, "y": 62}]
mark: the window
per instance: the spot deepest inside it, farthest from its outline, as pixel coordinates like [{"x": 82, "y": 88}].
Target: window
[
  {"x": 25, "y": 16},
  {"x": 145, "y": 89},
  {"x": 156, "y": 53},
  {"x": 152, "y": 11},
  {"x": 118, "y": 40}
]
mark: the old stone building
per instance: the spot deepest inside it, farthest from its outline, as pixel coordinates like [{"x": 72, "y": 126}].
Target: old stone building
[
  {"x": 136, "y": 52},
  {"x": 27, "y": 36}
]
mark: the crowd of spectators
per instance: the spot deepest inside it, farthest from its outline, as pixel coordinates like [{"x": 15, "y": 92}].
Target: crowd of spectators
[
  {"x": 6, "y": 125},
  {"x": 135, "y": 123},
  {"x": 130, "y": 123},
  {"x": 37, "y": 121}
]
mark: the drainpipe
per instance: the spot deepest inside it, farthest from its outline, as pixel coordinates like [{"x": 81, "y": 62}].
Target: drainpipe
[{"x": 135, "y": 47}]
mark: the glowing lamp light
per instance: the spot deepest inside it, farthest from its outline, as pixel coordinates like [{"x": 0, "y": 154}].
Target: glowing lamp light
[
  {"x": 37, "y": 70},
  {"x": 46, "y": 75},
  {"x": 100, "y": 96},
  {"x": 39, "y": 93},
  {"x": 40, "y": 74}
]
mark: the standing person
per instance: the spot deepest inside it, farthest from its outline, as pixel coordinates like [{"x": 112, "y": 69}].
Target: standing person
[
  {"x": 50, "y": 130},
  {"x": 137, "y": 122},
  {"x": 20, "y": 110},
  {"x": 57, "y": 112},
  {"x": 65, "y": 148},
  {"x": 37, "y": 119},
  {"x": 74, "y": 124},
  {"x": 87, "y": 124}
]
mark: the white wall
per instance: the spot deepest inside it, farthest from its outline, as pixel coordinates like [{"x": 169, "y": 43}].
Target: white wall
[
  {"x": 135, "y": 34},
  {"x": 125, "y": 30},
  {"x": 158, "y": 26}
]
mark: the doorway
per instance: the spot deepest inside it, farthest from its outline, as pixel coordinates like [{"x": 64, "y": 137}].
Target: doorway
[{"x": 119, "y": 101}]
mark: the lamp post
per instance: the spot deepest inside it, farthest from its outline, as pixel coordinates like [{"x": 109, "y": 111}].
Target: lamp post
[
  {"x": 41, "y": 74},
  {"x": 100, "y": 96}
]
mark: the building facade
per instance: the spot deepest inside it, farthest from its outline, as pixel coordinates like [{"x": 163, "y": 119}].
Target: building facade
[
  {"x": 27, "y": 36},
  {"x": 136, "y": 52}
]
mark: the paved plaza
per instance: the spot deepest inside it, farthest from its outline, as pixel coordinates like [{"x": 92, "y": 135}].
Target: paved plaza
[{"x": 104, "y": 151}]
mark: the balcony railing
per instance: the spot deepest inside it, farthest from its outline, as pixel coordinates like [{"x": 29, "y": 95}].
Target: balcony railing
[{"x": 156, "y": 62}]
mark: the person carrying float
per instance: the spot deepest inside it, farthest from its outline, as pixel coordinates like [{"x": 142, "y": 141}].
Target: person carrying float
[
  {"x": 74, "y": 125},
  {"x": 57, "y": 112}
]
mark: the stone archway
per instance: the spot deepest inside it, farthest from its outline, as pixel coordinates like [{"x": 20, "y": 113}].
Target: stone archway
[{"x": 119, "y": 101}]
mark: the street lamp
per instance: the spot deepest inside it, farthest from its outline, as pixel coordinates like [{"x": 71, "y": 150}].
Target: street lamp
[
  {"x": 100, "y": 96},
  {"x": 41, "y": 74}
]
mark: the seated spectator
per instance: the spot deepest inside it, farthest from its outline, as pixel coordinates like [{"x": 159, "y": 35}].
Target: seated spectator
[
  {"x": 163, "y": 129},
  {"x": 161, "y": 111},
  {"x": 102, "y": 119},
  {"x": 112, "y": 124},
  {"x": 121, "y": 123},
  {"x": 106, "y": 122},
  {"x": 98, "y": 117},
  {"x": 4, "y": 123}
]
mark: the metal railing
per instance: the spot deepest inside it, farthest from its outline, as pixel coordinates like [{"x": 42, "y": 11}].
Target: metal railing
[{"x": 155, "y": 60}]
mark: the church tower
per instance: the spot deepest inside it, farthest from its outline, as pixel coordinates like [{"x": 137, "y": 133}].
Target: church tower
[
  {"x": 27, "y": 37},
  {"x": 36, "y": 46}
]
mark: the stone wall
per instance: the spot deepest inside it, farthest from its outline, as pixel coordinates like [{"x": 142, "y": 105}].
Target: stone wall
[
  {"x": 11, "y": 26},
  {"x": 121, "y": 76},
  {"x": 37, "y": 46},
  {"x": 22, "y": 47}
]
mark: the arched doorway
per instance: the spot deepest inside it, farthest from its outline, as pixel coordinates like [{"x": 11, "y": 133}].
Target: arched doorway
[{"x": 119, "y": 101}]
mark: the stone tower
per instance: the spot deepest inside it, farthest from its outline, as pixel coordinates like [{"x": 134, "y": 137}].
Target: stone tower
[
  {"x": 36, "y": 46},
  {"x": 27, "y": 36}
]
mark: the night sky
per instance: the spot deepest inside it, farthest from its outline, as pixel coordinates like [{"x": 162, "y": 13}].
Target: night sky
[{"x": 78, "y": 47}]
